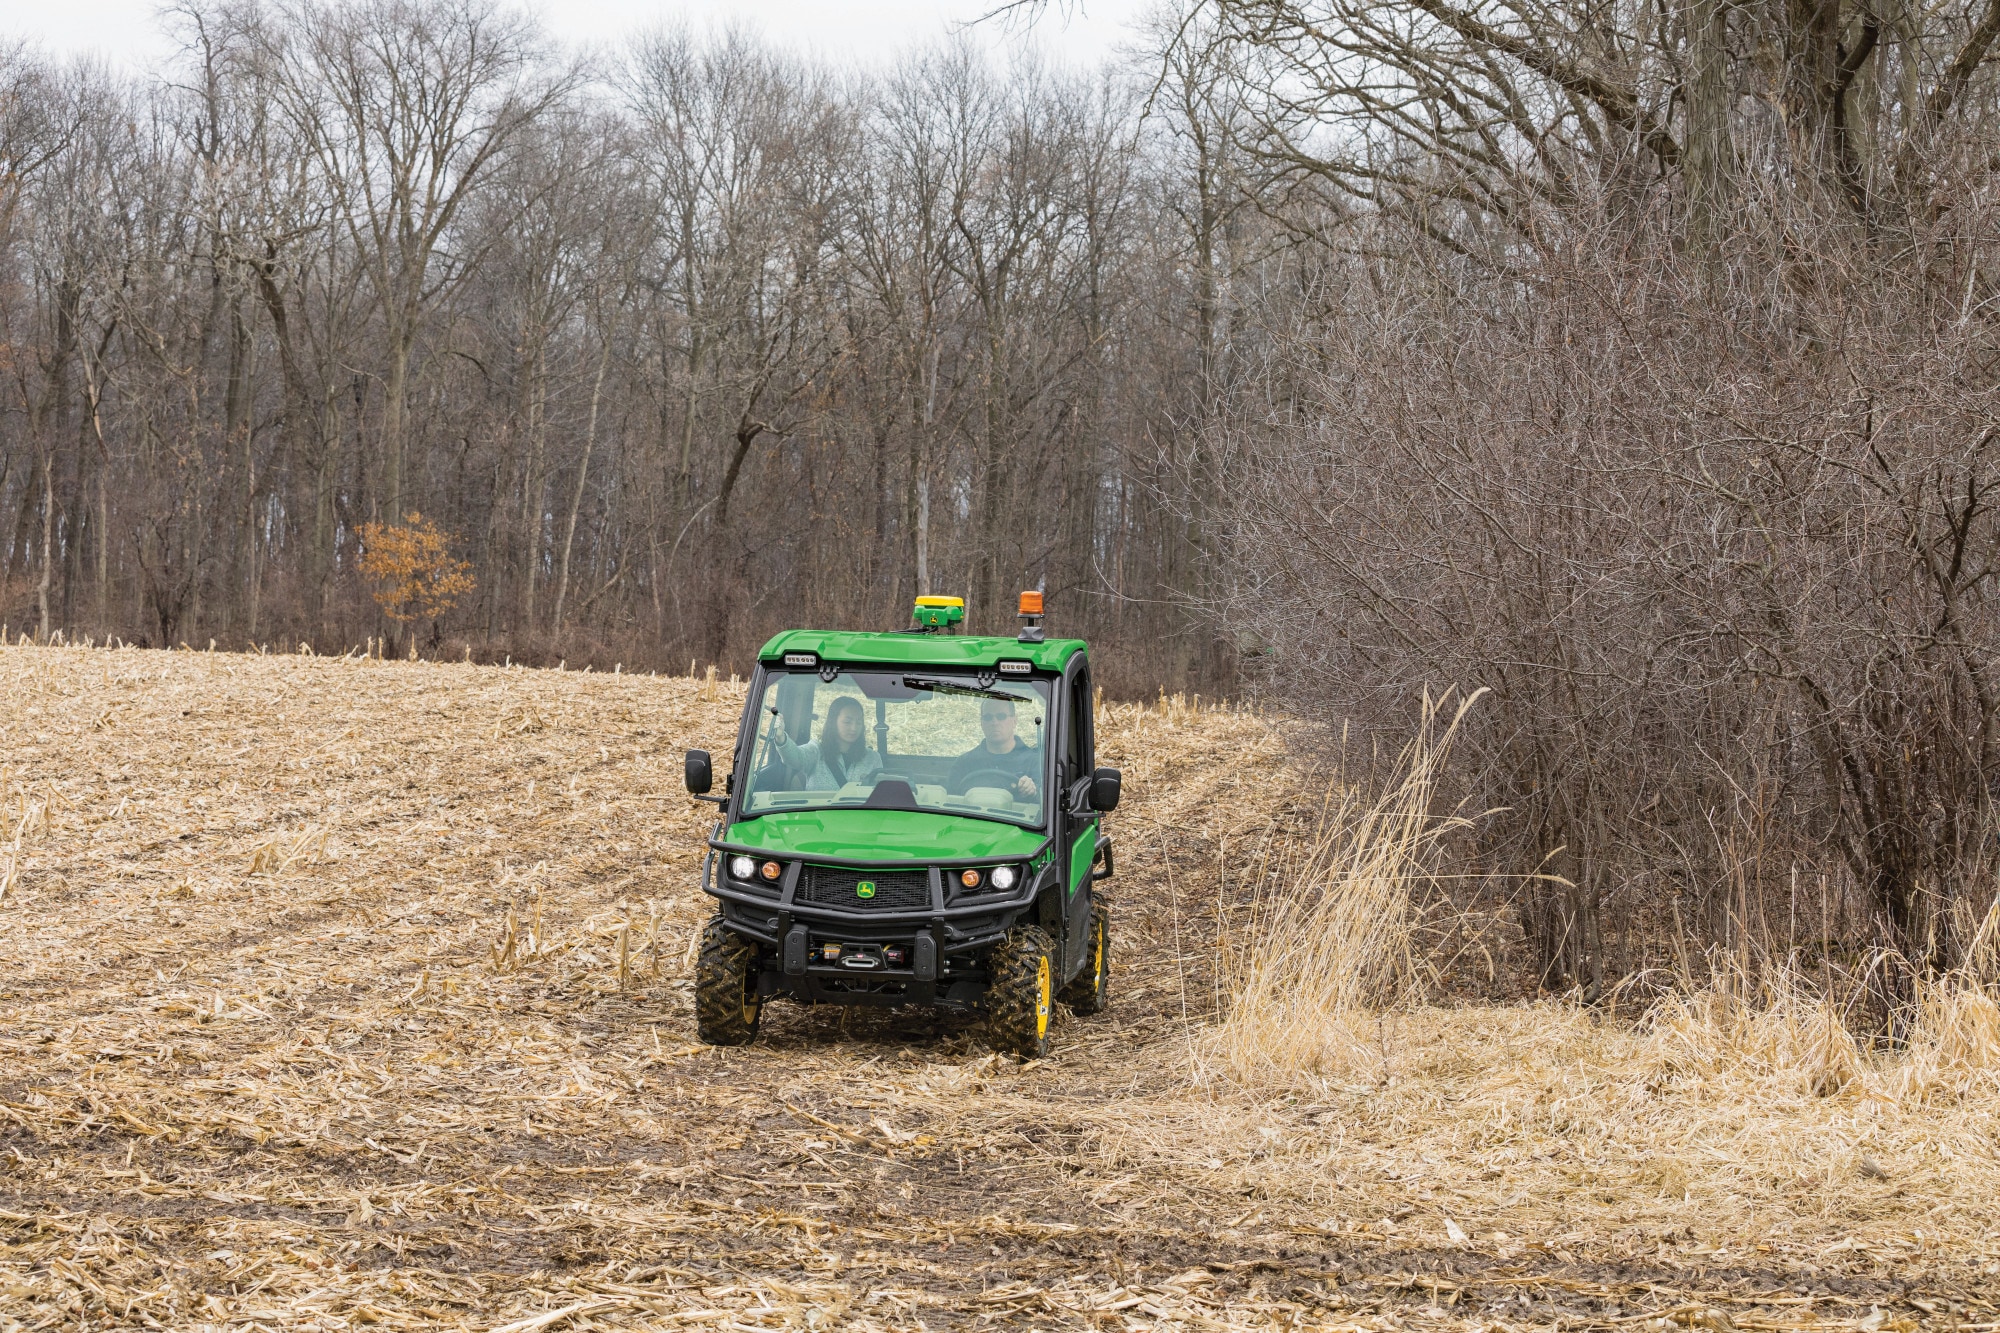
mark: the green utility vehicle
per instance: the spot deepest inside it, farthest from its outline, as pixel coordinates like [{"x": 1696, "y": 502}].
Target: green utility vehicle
[{"x": 912, "y": 819}]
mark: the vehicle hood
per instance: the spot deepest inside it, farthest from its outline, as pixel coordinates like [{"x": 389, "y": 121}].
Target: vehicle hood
[{"x": 887, "y": 835}]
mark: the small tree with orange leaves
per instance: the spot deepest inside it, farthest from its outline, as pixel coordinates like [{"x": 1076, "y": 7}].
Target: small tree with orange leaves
[{"x": 411, "y": 569}]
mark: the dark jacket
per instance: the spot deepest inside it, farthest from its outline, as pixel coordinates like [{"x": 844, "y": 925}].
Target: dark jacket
[{"x": 1023, "y": 761}]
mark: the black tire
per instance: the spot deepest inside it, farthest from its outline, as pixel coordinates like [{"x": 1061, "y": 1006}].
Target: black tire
[
  {"x": 1088, "y": 991},
  {"x": 1020, "y": 1000},
  {"x": 726, "y": 1007}
]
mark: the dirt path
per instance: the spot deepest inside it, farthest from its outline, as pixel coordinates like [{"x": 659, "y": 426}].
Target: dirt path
[{"x": 312, "y": 1014}]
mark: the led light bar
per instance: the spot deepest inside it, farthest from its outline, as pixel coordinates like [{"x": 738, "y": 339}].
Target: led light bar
[
  {"x": 1013, "y": 667},
  {"x": 802, "y": 659}
]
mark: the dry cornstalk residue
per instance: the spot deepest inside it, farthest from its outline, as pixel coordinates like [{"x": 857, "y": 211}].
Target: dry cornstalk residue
[{"x": 338, "y": 992}]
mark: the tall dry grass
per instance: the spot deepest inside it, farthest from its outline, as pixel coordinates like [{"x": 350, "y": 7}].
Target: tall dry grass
[
  {"x": 1329, "y": 949},
  {"x": 1784, "y": 1029},
  {"x": 1329, "y": 932},
  {"x": 1750, "y": 1116}
]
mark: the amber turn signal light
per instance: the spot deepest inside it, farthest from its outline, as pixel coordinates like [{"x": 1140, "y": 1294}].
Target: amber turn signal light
[
  {"x": 970, "y": 879},
  {"x": 771, "y": 870}
]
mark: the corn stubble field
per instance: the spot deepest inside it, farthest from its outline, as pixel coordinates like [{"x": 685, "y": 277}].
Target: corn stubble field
[{"x": 340, "y": 993}]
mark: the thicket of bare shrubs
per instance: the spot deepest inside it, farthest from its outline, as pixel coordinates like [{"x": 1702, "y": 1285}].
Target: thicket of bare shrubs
[
  {"x": 1654, "y": 393},
  {"x": 1721, "y": 557}
]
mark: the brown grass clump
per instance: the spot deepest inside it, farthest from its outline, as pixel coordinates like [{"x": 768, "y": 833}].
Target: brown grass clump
[
  {"x": 1781, "y": 1029},
  {"x": 1328, "y": 929},
  {"x": 340, "y": 992}
]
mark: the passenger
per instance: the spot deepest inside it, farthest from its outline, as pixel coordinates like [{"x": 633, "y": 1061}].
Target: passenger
[
  {"x": 1001, "y": 759},
  {"x": 839, "y": 757}
]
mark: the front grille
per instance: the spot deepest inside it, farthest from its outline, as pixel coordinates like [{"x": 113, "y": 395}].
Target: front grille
[{"x": 895, "y": 890}]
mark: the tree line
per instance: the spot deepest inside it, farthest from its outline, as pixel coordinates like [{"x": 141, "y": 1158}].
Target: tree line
[{"x": 679, "y": 345}]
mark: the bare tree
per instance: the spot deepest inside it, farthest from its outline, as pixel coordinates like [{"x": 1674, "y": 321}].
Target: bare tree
[{"x": 406, "y": 106}]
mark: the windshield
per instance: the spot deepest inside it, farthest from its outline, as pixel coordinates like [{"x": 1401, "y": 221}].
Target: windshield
[{"x": 900, "y": 740}]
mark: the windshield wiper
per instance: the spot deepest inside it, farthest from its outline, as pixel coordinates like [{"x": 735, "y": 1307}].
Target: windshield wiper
[{"x": 958, "y": 687}]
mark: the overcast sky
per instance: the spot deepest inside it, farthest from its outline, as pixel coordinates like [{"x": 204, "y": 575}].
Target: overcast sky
[{"x": 125, "y": 30}]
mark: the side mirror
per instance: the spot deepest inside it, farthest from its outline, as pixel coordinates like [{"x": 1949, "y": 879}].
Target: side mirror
[
  {"x": 700, "y": 774},
  {"x": 1104, "y": 786}
]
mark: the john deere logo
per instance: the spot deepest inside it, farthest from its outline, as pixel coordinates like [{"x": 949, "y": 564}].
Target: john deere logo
[{"x": 865, "y": 889}]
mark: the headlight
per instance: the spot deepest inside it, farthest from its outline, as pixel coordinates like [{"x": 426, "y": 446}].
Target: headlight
[
  {"x": 743, "y": 867},
  {"x": 1005, "y": 876}
]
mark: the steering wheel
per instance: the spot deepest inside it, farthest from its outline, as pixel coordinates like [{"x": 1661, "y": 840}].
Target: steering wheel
[{"x": 1007, "y": 780}]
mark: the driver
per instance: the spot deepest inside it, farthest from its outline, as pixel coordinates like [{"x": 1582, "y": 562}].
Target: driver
[{"x": 1001, "y": 753}]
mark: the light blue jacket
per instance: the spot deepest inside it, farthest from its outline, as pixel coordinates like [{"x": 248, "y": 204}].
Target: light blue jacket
[{"x": 803, "y": 758}]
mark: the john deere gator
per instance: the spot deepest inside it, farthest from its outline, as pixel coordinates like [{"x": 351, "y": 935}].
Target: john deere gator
[{"x": 911, "y": 818}]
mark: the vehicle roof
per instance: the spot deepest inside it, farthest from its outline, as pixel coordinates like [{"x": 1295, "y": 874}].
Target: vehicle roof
[{"x": 937, "y": 650}]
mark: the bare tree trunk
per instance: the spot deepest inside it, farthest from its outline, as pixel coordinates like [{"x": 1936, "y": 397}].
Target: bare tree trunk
[
  {"x": 45, "y": 625},
  {"x": 922, "y": 464},
  {"x": 395, "y": 390},
  {"x": 1710, "y": 157},
  {"x": 582, "y": 477}
]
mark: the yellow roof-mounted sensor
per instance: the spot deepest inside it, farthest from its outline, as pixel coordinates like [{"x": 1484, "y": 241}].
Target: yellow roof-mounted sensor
[{"x": 938, "y": 613}]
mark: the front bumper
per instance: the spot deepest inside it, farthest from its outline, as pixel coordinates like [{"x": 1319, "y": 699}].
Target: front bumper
[{"x": 940, "y": 931}]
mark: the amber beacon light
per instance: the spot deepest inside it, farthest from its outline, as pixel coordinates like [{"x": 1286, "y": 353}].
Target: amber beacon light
[{"x": 1031, "y": 616}]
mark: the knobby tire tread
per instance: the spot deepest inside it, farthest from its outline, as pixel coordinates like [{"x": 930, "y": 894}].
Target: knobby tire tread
[
  {"x": 722, "y": 978},
  {"x": 1013, "y": 992}
]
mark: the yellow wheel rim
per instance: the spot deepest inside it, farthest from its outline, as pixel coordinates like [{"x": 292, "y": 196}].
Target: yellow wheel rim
[
  {"x": 1097, "y": 960},
  {"x": 1042, "y": 997}
]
